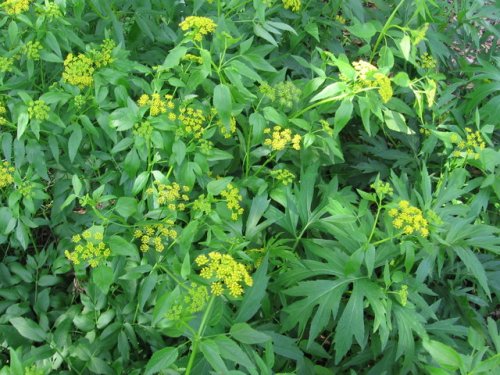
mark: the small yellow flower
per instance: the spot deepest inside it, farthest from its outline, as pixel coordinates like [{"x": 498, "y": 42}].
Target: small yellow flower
[
  {"x": 293, "y": 5},
  {"x": 78, "y": 70},
  {"x": 410, "y": 219},
  {"x": 224, "y": 273},
  {"x": 13, "y": 7},
  {"x": 233, "y": 199},
  {"x": 90, "y": 249},
  {"x": 198, "y": 26},
  {"x": 6, "y": 174},
  {"x": 281, "y": 138},
  {"x": 38, "y": 110},
  {"x": 283, "y": 175}
]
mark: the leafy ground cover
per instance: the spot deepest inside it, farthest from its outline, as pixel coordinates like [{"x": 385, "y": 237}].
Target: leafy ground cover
[{"x": 249, "y": 187}]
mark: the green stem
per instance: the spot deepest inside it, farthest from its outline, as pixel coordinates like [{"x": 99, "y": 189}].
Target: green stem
[
  {"x": 198, "y": 336},
  {"x": 384, "y": 29},
  {"x": 379, "y": 208}
]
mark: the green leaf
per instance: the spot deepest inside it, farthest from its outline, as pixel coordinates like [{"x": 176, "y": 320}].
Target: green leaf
[
  {"x": 264, "y": 34},
  {"x": 215, "y": 187},
  {"x": 126, "y": 206},
  {"x": 342, "y": 115},
  {"x": 74, "y": 142},
  {"x": 211, "y": 353},
  {"x": 363, "y": 30},
  {"x": 330, "y": 91},
  {"x": 401, "y": 79},
  {"x": 247, "y": 335},
  {"x": 140, "y": 182},
  {"x": 22, "y": 123},
  {"x": 253, "y": 297},
  {"x": 77, "y": 185},
  {"x": 174, "y": 57},
  {"x": 326, "y": 294},
  {"x": 350, "y": 324},
  {"x": 396, "y": 121},
  {"x": 229, "y": 349},
  {"x": 223, "y": 103},
  {"x": 103, "y": 277},
  {"x": 119, "y": 246},
  {"x": 16, "y": 366},
  {"x": 29, "y": 329},
  {"x": 405, "y": 46},
  {"x": 473, "y": 264},
  {"x": 161, "y": 360},
  {"x": 443, "y": 354}
]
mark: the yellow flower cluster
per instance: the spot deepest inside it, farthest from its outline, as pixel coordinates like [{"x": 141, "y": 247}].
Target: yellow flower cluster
[
  {"x": 196, "y": 298},
  {"x": 340, "y": 19},
  {"x": 293, "y": 5},
  {"x": 382, "y": 188},
  {"x": 468, "y": 147},
  {"x": 193, "y": 302},
  {"x": 158, "y": 105},
  {"x": 233, "y": 199},
  {"x": 32, "y": 50},
  {"x": 267, "y": 90},
  {"x": 13, "y": 7},
  {"x": 427, "y": 61},
  {"x": 283, "y": 175},
  {"x": 79, "y": 70},
  {"x": 224, "y": 273},
  {"x": 369, "y": 76},
  {"x": 282, "y": 138},
  {"x": 364, "y": 69},
  {"x": 199, "y": 26},
  {"x": 103, "y": 56},
  {"x": 285, "y": 93},
  {"x": 3, "y": 112},
  {"x": 192, "y": 121},
  {"x": 326, "y": 127},
  {"x": 227, "y": 133},
  {"x": 193, "y": 58},
  {"x": 6, "y": 174},
  {"x": 144, "y": 129},
  {"x": 51, "y": 10},
  {"x": 410, "y": 219},
  {"x": 38, "y": 110},
  {"x": 6, "y": 64},
  {"x": 403, "y": 295},
  {"x": 202, "y": 204},
  {"x": 155, "y": 235},
  {"x": 172, "y": 195},
  {"x": 89, "y": 247},
  {"x": 384, "y": 86}
]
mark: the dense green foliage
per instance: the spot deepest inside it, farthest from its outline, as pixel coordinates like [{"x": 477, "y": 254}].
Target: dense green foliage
[{"x": 249, "y": 187}]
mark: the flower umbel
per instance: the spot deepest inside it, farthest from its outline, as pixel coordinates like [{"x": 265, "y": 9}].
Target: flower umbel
[
  {"x": 198, "y": 26},
  {"x": 468, "y": 147},
  {"x": 224, "y": 272},
  {"x": 156, "y": 235},
  {"x": 283, "y": 175},
  {"x": 38, "y": 110},
  {"x": 293, "y": 5},
  {"x": 13, "y": 7},
  {"x": 172, "y": 195},
  {"x": 89, "y": 247},
  {"x": 78, "y": 70},
  {"x": 6, "y": 174},
  {"x": 233, "y": 199},
  {"x": 282, "y": 138},
  {"x": 410, "y": 219}
]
